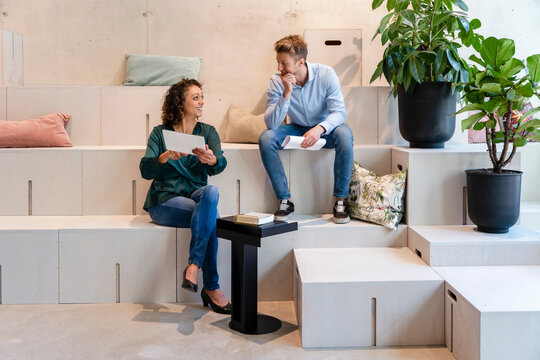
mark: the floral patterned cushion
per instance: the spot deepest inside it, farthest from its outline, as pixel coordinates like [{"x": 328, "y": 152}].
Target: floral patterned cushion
[{"x": 377, "y": 199}]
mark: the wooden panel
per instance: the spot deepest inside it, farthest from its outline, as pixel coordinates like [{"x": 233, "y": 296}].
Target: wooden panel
[
  {"x": 128, "y": 114},
  {"x": 146, "y": 271},
  {"x": 56, "y": 176},
  {"x": 12, "y": 46},
  {"x": 340, "y": 49},
  {"x": 29, "y": 266},
  {"x": 108, "y": 175},
  {"x": 81, "y": 102}
]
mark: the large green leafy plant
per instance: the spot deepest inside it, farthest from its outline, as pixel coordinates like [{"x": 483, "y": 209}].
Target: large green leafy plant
[
  {"x": 421, "y": 39},
  {"x": 497, "y": 91}
]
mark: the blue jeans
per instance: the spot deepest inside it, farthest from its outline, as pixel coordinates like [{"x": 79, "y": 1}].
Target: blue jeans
[
  {"x": 341, "y": 139},
  {"x": 199, "y": 212}
]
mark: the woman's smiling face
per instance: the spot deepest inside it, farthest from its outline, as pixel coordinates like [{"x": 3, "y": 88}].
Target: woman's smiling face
[{"x": 193, "y": 105}]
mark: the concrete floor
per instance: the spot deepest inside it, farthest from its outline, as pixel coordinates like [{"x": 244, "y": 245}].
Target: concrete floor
[{"x": 163, "y": 331}]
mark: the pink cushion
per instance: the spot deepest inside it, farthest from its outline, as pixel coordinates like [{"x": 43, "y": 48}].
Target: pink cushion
[{"x": 49, "y": 130}]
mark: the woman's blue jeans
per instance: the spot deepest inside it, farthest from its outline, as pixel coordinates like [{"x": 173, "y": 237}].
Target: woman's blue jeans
[
  {"x": 341, "y": 139},
  {"x": 199, "y": 212}
]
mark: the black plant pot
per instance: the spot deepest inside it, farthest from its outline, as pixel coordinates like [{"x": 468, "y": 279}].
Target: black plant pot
[
  {"x": 493, "y": 199},
  {"x": 423, "y": 114}
]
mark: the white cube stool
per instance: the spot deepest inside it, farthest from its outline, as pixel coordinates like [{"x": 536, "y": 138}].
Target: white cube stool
[{"x": 367, "y": 297}]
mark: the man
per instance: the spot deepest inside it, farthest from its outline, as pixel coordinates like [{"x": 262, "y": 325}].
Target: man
[{"x": 311, "y": 95}]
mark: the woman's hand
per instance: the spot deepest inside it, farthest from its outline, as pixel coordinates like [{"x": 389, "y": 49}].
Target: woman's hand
[
  {"x": 169, "y": 154},
  {"x": 206, "y": 156}
]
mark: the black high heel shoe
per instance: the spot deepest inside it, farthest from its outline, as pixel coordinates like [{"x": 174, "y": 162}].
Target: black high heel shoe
[
  {"x": 188, "y": 285},
  {"x": 219, "y": 309}
]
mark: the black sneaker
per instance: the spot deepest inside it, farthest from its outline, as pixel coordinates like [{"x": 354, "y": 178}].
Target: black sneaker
[
  {"x": 286, "y": 208},
  {"x": 340, "y": 213}
]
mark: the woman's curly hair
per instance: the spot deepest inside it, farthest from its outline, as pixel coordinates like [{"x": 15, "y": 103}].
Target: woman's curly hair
[{"x": 172, "y": 110}]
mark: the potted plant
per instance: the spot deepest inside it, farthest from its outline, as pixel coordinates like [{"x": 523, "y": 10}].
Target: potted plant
[
  {"x": 497, "y": 92},
  {"x": 421, "y": 62}
]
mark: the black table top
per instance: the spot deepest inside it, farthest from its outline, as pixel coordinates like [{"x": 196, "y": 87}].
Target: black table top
[{"x": 226, "y": 228}]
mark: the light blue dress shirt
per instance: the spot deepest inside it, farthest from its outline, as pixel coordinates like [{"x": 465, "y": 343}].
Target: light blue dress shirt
[{"x": 318, "y": 102}]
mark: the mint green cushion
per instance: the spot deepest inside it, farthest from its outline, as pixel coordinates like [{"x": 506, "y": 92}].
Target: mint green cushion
[{"x": 155, "y": 70}]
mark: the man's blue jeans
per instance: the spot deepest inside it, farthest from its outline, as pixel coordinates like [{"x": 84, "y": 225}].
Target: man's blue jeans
[
  {"x": 199, "y": 212},
  {"x": 341, "y": 139}
]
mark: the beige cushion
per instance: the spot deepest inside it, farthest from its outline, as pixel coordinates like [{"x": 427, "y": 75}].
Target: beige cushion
[{"x": 243, "y": 127}]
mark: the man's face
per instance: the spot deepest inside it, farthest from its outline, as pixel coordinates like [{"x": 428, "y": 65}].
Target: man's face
[{"x": 287, "y": 63}]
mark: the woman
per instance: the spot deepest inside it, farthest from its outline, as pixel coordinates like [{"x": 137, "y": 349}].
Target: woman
[{"x": 179, "y": 195}]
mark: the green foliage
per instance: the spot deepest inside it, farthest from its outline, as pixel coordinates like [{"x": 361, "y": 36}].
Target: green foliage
[
  {"x": 497, "y": 90},
  {"x": 421, "y": 39}
]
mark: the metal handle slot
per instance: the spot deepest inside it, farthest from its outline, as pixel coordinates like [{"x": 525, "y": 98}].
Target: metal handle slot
[
  {"x": 29, "y": 197},
  {"x": 134, "y": 197},
  {"x": 452, "y": 327},
  {"x": 464, "y": 205},
  {"x": 452, "y": 296},
  {"x": 399, "y": 167},
  {"x": 332, "y": 42},
  {"x": 147, "y": 125},
  {"x": 117, "y": 282},
  {"x": 373, "y": 322},
  {"x": 418, "y": 252},
  {"x": 238, "y": 196}
]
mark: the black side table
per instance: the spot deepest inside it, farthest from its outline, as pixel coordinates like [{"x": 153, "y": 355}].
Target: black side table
[{"x": 245, "y": 241}]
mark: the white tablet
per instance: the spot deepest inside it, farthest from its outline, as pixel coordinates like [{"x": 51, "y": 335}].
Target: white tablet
[{"x": 184, "y": 143}]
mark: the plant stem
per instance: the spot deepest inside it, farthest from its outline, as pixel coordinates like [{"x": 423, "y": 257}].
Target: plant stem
[
  {"x": 431, "y": 37},
  {"x": 489, "y": 136},
  {"x": 506, "y": 121}
]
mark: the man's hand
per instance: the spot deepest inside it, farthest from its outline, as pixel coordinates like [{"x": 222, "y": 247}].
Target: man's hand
[
  {"x": 312, "y": 136},
  {"x": 206, "y": 156},
  {"x": 288, "y": 81}
]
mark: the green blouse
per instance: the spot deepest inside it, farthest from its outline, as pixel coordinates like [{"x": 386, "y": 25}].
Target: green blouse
[{"x": 178, "y": 177}]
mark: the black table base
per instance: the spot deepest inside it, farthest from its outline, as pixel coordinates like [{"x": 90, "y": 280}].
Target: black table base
[
  {"x": 246, "y": 240},
  {"x": 265, "y": 325}
]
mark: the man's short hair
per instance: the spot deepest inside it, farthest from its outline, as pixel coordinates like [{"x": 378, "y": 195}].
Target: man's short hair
[{"x": 293, "y": 45}]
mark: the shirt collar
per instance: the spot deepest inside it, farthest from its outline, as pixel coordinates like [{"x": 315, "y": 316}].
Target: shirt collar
[
  {"x": 310, "y": 72},
  {"x": 310, "y": 75}
]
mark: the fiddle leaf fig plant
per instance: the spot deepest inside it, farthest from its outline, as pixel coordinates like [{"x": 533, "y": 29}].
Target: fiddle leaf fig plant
[
  {"x": 498, "y": 91},
  {"x": 422, "y": 38}
]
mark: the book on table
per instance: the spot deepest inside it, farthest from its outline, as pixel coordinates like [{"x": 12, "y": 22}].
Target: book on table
[{"x": 253, "y": 218}]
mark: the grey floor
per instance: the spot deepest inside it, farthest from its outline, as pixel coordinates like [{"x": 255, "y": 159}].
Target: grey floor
[{"x": 163, "y": 331}]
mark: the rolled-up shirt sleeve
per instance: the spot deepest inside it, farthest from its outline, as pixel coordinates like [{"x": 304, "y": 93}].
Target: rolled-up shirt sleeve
[
  {"x": 149, "y": 165},
  {"x": 335, "y": 103},
  {"x": 276, "y": 105},
  {"x": 214, "y": 143}
]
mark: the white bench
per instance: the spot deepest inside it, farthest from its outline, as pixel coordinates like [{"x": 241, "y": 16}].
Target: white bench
[
  {"x": 492, "y": 312},
  {"x": 124, "y": 115},
  {"x": 105, "y": 180},
  {"x": 73, "y": 259},
  {"x": 436, "y": 181},
  {"x": 462, "y": 245},
  {"x": 529, "y": 215}
]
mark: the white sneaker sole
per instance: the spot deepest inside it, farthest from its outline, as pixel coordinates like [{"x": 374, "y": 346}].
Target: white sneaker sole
[
  {"x": 341, "y": 220},
  {"x": 282, "y": 218}
]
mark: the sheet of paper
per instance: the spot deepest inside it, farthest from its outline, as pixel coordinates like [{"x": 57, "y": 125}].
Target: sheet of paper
[
  {"x": 295, "y": 142},
  {"x": 181, "y": 142}
]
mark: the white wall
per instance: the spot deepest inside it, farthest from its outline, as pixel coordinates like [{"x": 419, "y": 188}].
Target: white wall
[
  {"x": 517, "y": 20},
  {"x": 84, "y": 42}
]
